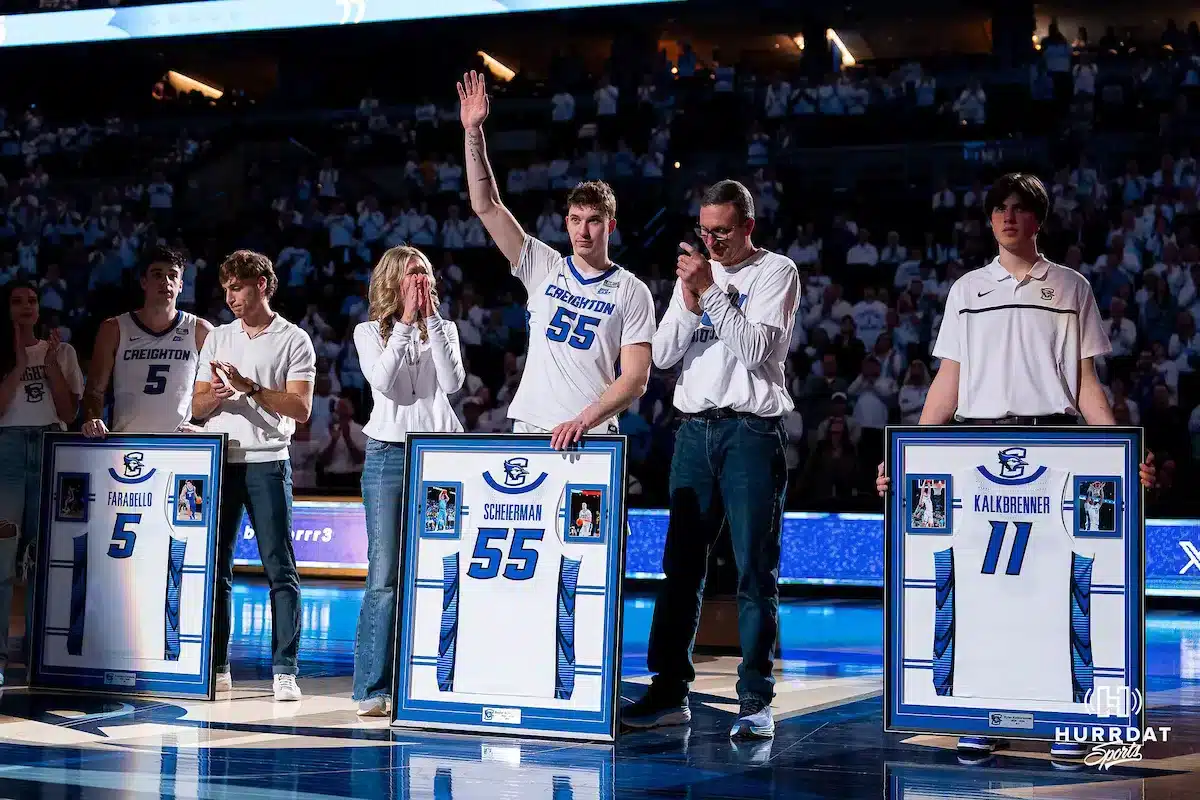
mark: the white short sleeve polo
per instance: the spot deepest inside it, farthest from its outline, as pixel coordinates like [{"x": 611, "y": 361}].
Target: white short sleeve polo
[
  {"x": 1018, "y": 344},
  {"x": 280, "y": 353}
]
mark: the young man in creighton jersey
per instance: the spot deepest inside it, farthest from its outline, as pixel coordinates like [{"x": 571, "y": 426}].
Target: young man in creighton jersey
[
  {"x": 1012, "y": 549},
  {"x": 150, "y": 356},
  {"x": 585, "y": 312}
]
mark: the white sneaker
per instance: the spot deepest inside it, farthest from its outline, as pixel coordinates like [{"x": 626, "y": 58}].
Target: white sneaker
[
  {"x": 224, "y": 682},
  {"x": 286, "y": 689},
  {"x": 373, "y": 707}
]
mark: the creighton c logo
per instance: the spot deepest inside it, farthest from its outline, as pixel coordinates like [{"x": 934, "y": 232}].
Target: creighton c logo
[
  {"x": 133, "y": 464},
  {"x": 1012, "y": 462},
  {"x": 516, "y": 470}
]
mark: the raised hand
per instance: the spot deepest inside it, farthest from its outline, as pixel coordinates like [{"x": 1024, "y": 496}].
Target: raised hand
[
  {"x": 53, "y": 342},
  {"x": 473, "y": 101}
]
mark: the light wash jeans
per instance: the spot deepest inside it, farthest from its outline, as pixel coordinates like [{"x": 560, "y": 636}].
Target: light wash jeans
[
  {"x": 383, "y": 499},
  {"x": 20, "y": 505}
]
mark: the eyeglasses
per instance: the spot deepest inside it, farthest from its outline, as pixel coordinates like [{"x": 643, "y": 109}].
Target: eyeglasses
[{"x": 717, "y": 235}]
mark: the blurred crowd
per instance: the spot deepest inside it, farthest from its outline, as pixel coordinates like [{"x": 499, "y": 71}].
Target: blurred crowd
[{"x": 876, "y": 273}]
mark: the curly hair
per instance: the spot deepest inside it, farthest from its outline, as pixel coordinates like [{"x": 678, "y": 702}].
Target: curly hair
[
  {"x": 249, "y": 266},
  {"x": 594, "y": 194}
]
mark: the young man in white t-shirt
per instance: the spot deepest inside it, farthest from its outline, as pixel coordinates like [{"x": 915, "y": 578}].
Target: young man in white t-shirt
[
  {"x": 254, "y": 383},
  {"x": 150, "y": 356},
  {"x": 730, "y": 325},
  {"x": 586, "y": 314}
]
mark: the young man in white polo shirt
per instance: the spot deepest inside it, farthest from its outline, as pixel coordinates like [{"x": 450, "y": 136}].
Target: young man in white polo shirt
[
  {"x": 730, "y": 323},
  {"x": 255, "y": 382},
  {"x": 1017, "y": 344}
]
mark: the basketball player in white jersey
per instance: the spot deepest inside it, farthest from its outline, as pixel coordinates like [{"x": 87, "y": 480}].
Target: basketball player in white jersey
[
  {"x": 1091, "y": 506},
  {"x": 150, "y": 356},
  {"x": 585, "y": 312},
  {"x": 924, "y": 514},
  {"x": 585, "y": 520}
]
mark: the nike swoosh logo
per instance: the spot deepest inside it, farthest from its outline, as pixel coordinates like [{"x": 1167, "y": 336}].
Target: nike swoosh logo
[
  {"x": 985, "y": 294},
  {"x": 135, "y": 338}
]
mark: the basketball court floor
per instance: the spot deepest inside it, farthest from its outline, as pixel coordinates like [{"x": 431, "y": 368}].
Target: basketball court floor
[{"x": 829, "y": 743}]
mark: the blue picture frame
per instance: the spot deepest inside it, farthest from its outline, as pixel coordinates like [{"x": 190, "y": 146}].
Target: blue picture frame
[
  {"x": 85, "y": 480},
  {"x": 1118, "y": 482},
  {"x": 205, "y": 503},
  {"x": 603, "y": 507},
  {"x": 460, "y": 511},
  {"x": 535, "y": 721},
  {"x": 1008, "y": 720},
  {"x": 97, "y": 678},
  {"x": 950, "y": 500}
]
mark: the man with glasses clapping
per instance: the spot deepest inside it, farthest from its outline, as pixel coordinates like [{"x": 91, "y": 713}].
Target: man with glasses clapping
[{"x": 730, "y": 324}]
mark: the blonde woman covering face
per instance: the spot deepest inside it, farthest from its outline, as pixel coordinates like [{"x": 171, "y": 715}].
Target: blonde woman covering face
[{"x": 411, "y": 359}]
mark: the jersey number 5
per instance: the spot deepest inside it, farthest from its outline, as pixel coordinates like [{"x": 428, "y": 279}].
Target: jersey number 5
[
  {"x": 485, "y": 560},
  {"x": 123, "y": 539},
  {"x": 578, "y": 331},
  {"x": 1016, "y": 556},
  {"x": 156, "y": 379}
]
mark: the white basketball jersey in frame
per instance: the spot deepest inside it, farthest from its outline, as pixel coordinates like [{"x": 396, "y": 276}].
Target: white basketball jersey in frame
[
  {"x": 153, "y": 375},
  {"x": 577, "y": 327},
  {"x": 1011, "y": 617},
  {"x": 494, "y": 639},
  {"x": 127, "y": 568}
]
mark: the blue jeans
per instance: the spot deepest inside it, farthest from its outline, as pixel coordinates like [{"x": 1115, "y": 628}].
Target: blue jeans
[
  {"x": 265, "y": 491},
  {"x": 20, "y": 518},
  {"x": 737, "y": 464},
  {"x": 383, "y": 499}
]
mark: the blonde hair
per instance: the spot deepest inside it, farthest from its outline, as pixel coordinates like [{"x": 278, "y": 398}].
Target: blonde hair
[{"x": 385, "y": 295}]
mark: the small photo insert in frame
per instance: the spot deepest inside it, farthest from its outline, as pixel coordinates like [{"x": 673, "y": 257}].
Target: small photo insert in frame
[
  {"x": 584, "y": 512},
  {"x": 1096, "y": 504},
  {"x": 71, "y": 496},
  {"x": 441, "y": 508},
  {"x": 190, "y": 500},
  {"x": 927, "y": 503}
]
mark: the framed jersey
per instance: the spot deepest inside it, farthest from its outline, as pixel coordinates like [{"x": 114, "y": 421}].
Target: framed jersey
[
  {"x": 126, "y": 564},
  {"x": 1014, "y": 581},
  {"x": 509, "y": 615}
]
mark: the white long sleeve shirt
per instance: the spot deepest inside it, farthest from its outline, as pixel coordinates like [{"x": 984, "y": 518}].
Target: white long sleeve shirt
[
  {"x": 411, "y": 379},
  {"x": 733, "y": 354}
]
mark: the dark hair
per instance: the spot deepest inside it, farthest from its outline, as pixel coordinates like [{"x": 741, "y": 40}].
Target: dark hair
[
  {"x": 730, "y": 193},
  {"x": 7, "y": 339},
  {"x": 247, "y": 265},
  {"x": 163, "y": 255},
  {"x": 594, "y": 194},
  {"x": 1028, "y": 188}
]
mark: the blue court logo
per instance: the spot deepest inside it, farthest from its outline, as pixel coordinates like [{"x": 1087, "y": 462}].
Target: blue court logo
[
  {"x": 1012, "y": 462},
  {"x": 134, "y": 464},
  {"x": 516, "y": 471}
]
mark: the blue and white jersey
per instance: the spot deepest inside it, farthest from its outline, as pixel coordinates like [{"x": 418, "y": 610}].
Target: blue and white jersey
[
  {"x": 153, "y": 375},
  {"x": 136, "y": 578},
  {"x": 513, "y": 589},
  {"x": 1012, "y": 618},
  {"x": 577, "y": 327}
]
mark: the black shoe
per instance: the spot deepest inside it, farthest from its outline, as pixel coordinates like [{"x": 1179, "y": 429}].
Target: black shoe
[{"x": 655, "y": 710}]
